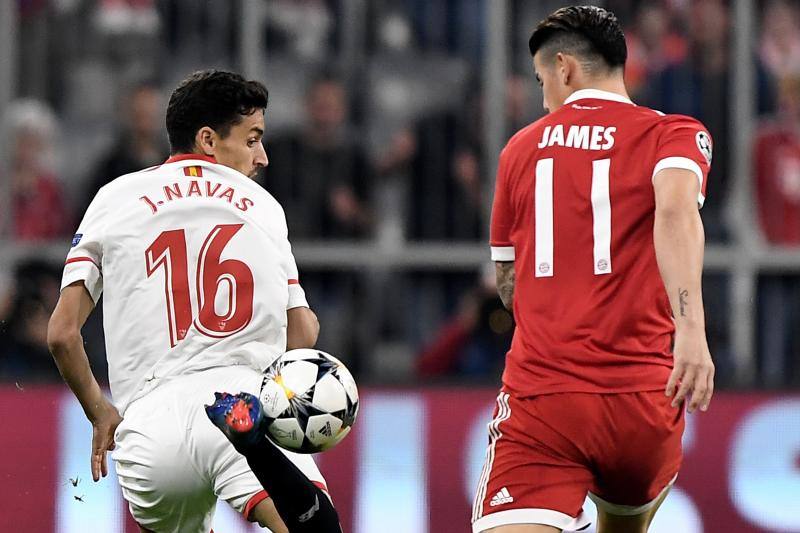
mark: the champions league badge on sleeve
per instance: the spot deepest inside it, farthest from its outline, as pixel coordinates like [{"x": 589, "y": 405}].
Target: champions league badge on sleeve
[
  {"x": 704, "y": 145},
  {"x": 76, "y": 239}
]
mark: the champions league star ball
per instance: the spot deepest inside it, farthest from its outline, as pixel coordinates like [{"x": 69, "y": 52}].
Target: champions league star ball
[{"x": 310, "y": 401}]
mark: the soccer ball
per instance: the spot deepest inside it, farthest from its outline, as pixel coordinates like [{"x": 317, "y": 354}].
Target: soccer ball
[{"x": 310, "y": 401}]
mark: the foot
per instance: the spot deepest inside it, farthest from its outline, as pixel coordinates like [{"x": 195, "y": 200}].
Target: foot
[{"x": 239, "y": 417}]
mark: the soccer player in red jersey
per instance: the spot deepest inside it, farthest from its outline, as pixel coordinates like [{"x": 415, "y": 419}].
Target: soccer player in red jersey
[{"x": 598, "y": 245}]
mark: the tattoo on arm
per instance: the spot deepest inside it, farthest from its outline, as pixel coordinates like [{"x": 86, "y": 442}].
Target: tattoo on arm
[
  {"x": 683, "y": 294},
  {"x": 505, "y": 283}
]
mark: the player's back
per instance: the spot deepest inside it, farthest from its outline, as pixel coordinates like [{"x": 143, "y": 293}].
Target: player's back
[
  {"x": 195, "y": 266},
  {"x": 575, "y": 209}
]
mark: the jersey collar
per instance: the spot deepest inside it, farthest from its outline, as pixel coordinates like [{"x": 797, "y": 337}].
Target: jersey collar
[
  {"x": 596, "y": 94},
  {"x": 195, "y": 157}
]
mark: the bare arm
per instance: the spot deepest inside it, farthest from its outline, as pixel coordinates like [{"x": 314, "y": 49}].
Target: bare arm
[
  {"x": 504, "y": 270},
  {"x": 679, "y": 240},
  {"x": 66, "y": 345},
  {"x": 302, "y": 329}
]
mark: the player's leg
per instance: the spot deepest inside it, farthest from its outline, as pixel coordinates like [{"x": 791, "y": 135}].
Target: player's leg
[
  {"x": 535, "y": 477},
  {"x": 635, "y": 479},
  {"x": 608, "y": 522},
  {"x": 302, "y": 504},
  {"x": 163, "y": 488}
]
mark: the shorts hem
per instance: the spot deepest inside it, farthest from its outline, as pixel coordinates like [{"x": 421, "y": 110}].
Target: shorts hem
[
  {"x": 254, "y": 500},
  {"x": 630, "y": 510},
  {"x": 547, "y": 517}
]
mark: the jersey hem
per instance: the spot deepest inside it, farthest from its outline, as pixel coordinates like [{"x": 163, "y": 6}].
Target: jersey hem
[{"x": 582, "y": 390}]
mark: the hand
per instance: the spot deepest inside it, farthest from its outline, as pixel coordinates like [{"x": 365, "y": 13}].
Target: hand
[
  {"x": 344, "y": 204},
  {"x": 693, "y": 369},
  {"x": 103, "y": 427}
]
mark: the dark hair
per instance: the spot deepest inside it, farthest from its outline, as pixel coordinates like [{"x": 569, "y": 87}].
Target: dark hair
[
  {"x": 213, "y": 98},
  {"x": 589, "y": 33}
]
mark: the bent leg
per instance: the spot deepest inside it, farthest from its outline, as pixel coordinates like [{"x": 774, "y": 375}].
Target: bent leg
[{"x": 300, "y": 502}]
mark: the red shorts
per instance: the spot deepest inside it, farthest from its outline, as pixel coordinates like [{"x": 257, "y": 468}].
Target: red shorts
[{"x": 546, "y": 452}]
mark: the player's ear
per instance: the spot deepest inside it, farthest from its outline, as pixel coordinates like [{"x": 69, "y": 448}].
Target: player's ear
[
  {"x": 564, "y": 68},
  {"x": 559, "y": 64},
  {"x": 205, "y": 140}
]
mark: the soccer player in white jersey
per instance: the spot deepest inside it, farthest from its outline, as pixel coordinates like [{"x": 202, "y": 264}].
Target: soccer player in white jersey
[{"x": 201, "y": 294}]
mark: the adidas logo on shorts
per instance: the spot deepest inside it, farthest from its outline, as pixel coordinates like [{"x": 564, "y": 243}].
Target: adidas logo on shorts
[{"x": 501, "y": 497}]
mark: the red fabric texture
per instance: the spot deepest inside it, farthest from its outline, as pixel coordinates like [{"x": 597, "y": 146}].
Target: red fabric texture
[
  {"x": 39, "y": 211},
  {"x": 578, "y": 331},
  {"x": 440, "y": 356},
  {"x": 552, "y": 449},
  {"x": 777, "y": 170}
]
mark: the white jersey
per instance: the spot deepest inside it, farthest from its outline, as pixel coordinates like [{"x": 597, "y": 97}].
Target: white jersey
[{"x": 197, "y": 270}]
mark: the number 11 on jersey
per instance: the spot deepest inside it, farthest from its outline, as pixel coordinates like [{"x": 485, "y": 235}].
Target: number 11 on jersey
[{"x": 543, "y": 220}]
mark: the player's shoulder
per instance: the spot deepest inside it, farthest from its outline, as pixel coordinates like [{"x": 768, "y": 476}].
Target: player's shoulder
[
  {"x": 522, "y": 138},
  {"x": 116, "y": 186},
  {"x": 211, "y": 176},
  {"x": 668, "y": 121}
]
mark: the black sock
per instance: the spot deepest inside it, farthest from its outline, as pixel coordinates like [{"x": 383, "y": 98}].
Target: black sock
[{"x": 302, "y": 505}]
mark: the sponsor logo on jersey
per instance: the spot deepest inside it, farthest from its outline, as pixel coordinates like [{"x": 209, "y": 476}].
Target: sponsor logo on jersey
[
  {"x": 704, "y": 145},
  {"x": 502, "y": 497},
  {"x": 76, "y": 239}
]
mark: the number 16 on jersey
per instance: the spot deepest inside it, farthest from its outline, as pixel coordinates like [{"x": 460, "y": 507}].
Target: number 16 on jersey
[{"x": 169, "y": 251}]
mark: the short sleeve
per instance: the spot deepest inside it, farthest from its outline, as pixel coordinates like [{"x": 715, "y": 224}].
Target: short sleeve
[
  {"x": 297, "y": 296},
  {"x": 502, "y": 214},
  {"x": 685, "y": 143},
  {"x": 85, "y": 257}
]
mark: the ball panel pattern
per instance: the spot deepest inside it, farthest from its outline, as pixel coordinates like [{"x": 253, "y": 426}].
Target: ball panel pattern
[{"x": 310, "y": 399}]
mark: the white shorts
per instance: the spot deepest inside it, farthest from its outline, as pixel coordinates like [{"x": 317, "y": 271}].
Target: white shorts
[{"x": 173, "y": 463}]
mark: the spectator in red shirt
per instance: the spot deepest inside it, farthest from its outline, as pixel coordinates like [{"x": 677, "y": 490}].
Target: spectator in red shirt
[
  {"x": 777, "y": 168},
  {"x": 474, "y": 342},
  {"x": 38, "y": 210}
]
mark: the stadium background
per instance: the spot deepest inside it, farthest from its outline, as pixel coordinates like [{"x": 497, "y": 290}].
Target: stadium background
[{"x": 384, "y": 126}]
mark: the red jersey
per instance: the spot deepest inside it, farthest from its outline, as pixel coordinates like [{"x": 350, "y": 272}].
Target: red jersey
[
  {"x": 777, "y": 170},
  {"x": 574, "y": 209}
]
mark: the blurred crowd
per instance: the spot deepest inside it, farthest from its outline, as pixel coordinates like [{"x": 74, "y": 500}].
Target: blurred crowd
[{"x": 380, "y": 142}]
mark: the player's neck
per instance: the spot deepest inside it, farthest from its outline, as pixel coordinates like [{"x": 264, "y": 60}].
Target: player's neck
[{"x": 609, "y": 85}]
